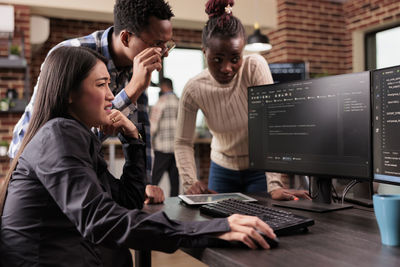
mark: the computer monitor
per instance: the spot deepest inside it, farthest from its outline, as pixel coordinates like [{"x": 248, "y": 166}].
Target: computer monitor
[
  {"x": 386, "y": 124},
  {"x": 287, "y": 72},
  {"x": 319, "y": 127}
]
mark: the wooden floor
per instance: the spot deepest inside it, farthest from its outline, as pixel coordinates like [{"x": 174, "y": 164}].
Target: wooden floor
[{"x": 177, "y": 259}]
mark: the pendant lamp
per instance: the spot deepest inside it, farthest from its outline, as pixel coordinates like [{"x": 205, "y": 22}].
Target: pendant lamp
[{"x": 257, "y": 42}]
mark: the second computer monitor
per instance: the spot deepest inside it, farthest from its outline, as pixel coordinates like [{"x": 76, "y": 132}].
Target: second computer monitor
[
  {"x": 317, "y": 127},
  {"x": 386, "y": 118}
]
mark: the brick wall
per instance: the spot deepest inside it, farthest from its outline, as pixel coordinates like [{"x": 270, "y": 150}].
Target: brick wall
[
  {"x": 364, "y": 15},
  {"x": 361, "y": 14},
  {"x": 60, "y": 30},
  {"x": 320, "y": 32},
  {"x": 311, "y": 31},
  {"x": 22, "y": 27},
  {"x": 13, "y": 78}
]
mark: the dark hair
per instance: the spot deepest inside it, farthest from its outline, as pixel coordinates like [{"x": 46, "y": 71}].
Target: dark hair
[
  {"x": 133, "y": 15},
  {"x": 167, "y": 82},
  {"x": 63, "y": 71},
  {"x": 221, "y": 23}
]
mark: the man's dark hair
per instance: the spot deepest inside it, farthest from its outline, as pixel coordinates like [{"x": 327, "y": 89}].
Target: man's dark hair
[
  {"x": 167, "y": 82},
  {"x": 133, "y": 15}
]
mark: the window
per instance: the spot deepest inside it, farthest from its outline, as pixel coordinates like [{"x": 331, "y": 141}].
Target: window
[
  {"x": 181, "y": 65},
  {"x": 382, "y": 48},
  {"x": 153, "y": 90}
]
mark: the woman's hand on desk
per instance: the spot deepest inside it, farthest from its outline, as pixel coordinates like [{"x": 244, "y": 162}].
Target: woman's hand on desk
[
  {"x": 199, "y": 187},
  {"x": 289, "y": 194},
  {"x": 153, "y": 195},
  {"x": 246, "y": 229}
]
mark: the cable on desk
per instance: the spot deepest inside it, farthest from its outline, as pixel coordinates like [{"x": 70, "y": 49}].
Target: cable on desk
[{"x": 347, "y": 188}]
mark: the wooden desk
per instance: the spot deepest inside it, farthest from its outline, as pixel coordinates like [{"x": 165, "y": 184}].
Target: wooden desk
[{"x": 341, "y": 238}]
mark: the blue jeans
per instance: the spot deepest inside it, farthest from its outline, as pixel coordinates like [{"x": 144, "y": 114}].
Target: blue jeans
[{"x": 225, "y": 180}]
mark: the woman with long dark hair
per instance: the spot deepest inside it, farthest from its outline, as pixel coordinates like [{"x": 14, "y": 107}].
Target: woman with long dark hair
[{"x": 61, "y": 203}]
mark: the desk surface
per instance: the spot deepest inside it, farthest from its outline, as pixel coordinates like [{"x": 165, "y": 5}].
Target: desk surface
[{"x": 341, "y": 238}]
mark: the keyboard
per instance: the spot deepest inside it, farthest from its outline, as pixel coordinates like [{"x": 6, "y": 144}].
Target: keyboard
[{"x": 281, "y": 221}]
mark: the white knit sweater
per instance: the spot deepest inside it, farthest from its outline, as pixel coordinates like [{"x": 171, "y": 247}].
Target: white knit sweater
[{"x": 225, "y": 110}]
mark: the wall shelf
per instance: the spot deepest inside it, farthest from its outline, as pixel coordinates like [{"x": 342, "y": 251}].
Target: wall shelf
[
  {"x": 17, "y": 63},
  {"x": 18, "y": 106}
]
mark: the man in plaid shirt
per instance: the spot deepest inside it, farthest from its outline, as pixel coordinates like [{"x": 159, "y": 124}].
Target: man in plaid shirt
[
  {"x": 134, "y": 47},
  {"x": 163, "y": 119}
]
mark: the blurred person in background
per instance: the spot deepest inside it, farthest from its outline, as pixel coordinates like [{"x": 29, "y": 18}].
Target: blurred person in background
[{"x": 163, "y": 122}]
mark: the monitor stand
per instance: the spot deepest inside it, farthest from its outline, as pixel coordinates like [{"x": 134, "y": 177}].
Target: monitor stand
[
  {"x": 321, "y": 192},
  {"x": 360, "y": 195}
]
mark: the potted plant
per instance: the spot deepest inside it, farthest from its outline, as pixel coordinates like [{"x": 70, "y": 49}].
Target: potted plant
[{"x": 15, "y": 52}]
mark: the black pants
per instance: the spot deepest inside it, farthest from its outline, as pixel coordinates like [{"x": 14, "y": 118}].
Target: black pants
[{"x": 166, "y": 162}]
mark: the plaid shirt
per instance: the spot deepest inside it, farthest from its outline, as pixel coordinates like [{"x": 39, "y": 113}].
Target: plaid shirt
[
  {"x": 163, "y": 119},
  {"x": 119, "y": 79}
]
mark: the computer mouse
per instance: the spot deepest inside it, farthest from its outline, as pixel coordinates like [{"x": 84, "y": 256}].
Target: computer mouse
[{"x": 272, "y": 242}]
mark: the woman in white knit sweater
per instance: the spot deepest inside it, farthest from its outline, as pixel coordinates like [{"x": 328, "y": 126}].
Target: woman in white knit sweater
[{"x": 221, "y": 93}]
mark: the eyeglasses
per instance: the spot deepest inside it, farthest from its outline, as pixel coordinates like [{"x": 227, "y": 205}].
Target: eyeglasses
[{"x": 166, "y": 46}]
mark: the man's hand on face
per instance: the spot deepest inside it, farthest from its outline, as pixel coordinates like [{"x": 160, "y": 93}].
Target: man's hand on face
[{"x": 144, "y": 64}]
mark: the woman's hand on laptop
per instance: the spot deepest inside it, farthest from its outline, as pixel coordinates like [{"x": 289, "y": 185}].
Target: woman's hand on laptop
[
  {"x": 247, "y": 230},
  {"x": 199, "y": 187}
]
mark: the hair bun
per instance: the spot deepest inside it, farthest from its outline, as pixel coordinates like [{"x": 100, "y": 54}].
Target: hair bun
[{"x": 218, "y": 8}]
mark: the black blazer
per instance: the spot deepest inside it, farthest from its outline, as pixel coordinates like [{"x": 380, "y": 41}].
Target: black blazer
[{"x": 62, "y": 203}]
